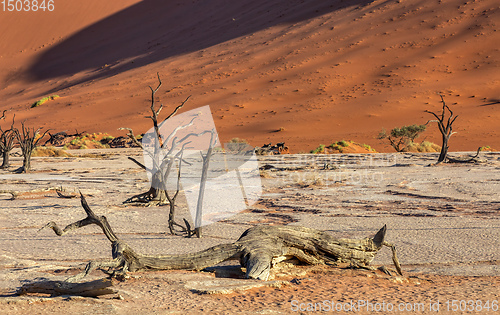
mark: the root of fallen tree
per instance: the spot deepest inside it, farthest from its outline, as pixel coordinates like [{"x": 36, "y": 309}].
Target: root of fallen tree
[{"x": 258, "y": 250}]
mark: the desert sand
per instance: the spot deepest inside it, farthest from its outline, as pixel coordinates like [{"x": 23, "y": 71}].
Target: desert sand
[
  {"x": 443, "y": 220},
  {"x": 303, "y": 72}
]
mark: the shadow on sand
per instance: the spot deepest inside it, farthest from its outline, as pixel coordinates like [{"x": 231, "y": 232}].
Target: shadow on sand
[{"x": 153, "y": 30}]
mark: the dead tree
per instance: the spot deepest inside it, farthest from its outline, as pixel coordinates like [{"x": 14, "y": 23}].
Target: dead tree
[
  {"x": 6, "y": 142},
  {"x": 165, "y": 152},
  {"x": 28, "y": 140},
  {"x": 199, "y": 207},
  {"x": 258, "y": 249},
  {"x": 445, "y": 129}
]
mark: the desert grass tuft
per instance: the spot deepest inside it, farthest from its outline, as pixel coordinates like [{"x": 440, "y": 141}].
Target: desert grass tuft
[
  {"x": 319, "y": 149},
  {"x": 50, "y": 151},
  {"x": 424, "y": 146},
  {"x": 44, "y": 100},
  {"x": 93, "y": 140}
]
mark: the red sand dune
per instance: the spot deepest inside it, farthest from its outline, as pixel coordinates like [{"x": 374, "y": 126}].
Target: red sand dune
[{"x": 321, "y": 70}]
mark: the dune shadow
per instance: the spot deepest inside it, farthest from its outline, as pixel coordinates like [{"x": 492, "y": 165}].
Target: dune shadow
[{"x": 153, "y": 30}]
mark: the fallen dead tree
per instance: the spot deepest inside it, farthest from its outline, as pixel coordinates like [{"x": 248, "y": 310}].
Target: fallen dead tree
[
  {"x": 270, "y": 149},
  {"x": 56, "y": 288},
  {"x": 471, "y": 159},
  {"x": 258, "y": 249},
  {"x": 61, "y": 138}
]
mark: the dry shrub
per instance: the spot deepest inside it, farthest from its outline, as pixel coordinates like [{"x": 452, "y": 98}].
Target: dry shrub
[
  {"x": 488, "y": 148},
  {"x": 50, "y": 151},
  {"x": 44, "y": 100},
  {"x": 309, "y": 179},
  {"x": 344, "y": 146},
  {"x": 424, "y": 146},
  {"x": 266, "y": 174},
  {"x": 90, "y": 141}
]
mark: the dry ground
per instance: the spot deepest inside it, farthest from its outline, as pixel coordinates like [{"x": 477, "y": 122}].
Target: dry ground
[{"x": 444, "y": 221}]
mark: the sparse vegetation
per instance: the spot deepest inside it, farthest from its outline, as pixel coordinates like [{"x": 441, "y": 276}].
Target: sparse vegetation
[
  {"x": 369, "y": 148},
  {"x": 235, "y": 145},
  {"x": 50, "y": 151},
  {"x": 89, "y": 141},
  {"x": 487, "y": 148},
  {"x": 343, "y": 146},
  {"x": 401, "y": 138},
  {"x": 44, "y": 100},
  {"x": 238, "y": 140},
  {"x": 320, "y": 149},
  {"x": 310, "y": 179},
  {"x": 343, "y": 143},
  {"x": 425, "y": 146}
]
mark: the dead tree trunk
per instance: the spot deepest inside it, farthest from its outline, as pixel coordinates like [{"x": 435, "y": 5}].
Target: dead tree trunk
[
  {"x": 446, "y": 130},
  {"x": 163, "y": 160},
  {"x": 28, "y": 140},
  {"x": 257, "y": 249},
  {"x": 164, "y": 151},
  {"x": 206, "y": 163},
  {"x": 6, "y": 142}
]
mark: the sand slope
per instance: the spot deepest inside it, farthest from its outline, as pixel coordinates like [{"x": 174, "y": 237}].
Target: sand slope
[{"x": 319, "y": 71}]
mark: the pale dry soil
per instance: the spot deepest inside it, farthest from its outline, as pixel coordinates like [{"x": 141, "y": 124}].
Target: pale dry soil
[{"x": 443, "y": 219}]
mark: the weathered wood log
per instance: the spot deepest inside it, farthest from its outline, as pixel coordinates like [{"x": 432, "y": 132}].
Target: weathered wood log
[
  {"x": 258, "y": 249},
  {"x": 471, "y": 159},
  {"x": 56, "y": 288}
]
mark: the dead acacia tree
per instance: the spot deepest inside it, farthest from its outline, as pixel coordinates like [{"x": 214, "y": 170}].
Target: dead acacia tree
[
  {"x": 444, "y": 127},
  {"x": 28, "y": 141},
  {"x": 165, "y": 152},
  {"x": 199, "y": 207},
  {"x": 6, "y": 142},
  {"x": 258, "y": 249}
]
